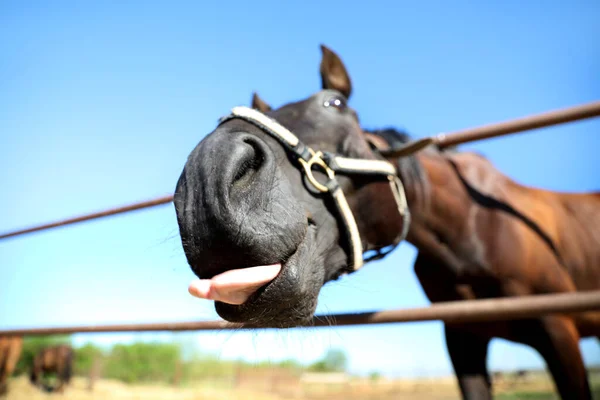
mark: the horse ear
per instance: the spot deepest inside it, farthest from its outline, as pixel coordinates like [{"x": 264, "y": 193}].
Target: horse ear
[
  {"x": 259, "y": 104},
  {"x": 333, "y": 72}
]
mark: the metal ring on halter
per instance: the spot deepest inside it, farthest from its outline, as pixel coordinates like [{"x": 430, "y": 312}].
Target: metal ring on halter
[{"x": 316, "y": 160}]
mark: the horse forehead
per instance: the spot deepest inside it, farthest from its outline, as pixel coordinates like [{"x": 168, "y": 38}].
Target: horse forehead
[{"x": 310, "y": 109}]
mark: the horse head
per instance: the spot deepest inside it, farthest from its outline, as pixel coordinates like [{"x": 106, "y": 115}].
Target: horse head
[{"x": 275, "y": 203}]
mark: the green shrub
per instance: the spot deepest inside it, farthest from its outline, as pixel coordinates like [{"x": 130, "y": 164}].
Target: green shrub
[
  {"x": 142, "y": 362},
  {"x": 334, "y": 361},
  {"x": 85, "y": 356}
]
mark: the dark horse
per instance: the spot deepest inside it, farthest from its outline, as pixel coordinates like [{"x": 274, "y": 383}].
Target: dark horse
[
  {"x": 53, "y": 359},
  {"x": 242, "y": 201},
  {"x": 10, "y": 350}
]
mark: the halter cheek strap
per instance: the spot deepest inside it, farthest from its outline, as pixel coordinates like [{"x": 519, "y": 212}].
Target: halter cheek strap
[{"x": 332, "y": 164}]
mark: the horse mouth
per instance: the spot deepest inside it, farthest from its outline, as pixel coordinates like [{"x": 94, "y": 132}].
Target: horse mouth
[{"x": 280, "y": 301}]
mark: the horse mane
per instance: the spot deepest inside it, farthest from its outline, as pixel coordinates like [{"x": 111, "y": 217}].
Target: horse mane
[
  {"x": 410, "y": 169},
  {"x": 397, "y": 137},
  {"x": 392, "y": 135}
]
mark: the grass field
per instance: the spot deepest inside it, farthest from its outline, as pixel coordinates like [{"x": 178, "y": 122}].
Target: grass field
[{"x": 535, "y": 386}]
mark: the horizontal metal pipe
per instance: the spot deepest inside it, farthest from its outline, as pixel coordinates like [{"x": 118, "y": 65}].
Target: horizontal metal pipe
[
  {"x": 100, "y": 214},
  {"x": 455, "y": 311},
  {"x": 536, "y": 121}
]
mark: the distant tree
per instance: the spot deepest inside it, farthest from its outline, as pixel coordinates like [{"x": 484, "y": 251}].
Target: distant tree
[
  {"x": 375, "y": 375},
  {"x": 290, "y": 364},
  {"x": 335, "y": 360},
  {"x": 142, "y": 362},
  {"x": 85, "y": 357}
]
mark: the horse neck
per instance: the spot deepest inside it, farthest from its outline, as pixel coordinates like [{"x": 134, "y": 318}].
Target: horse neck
[
  {"x": 437, "y": 201},
  {"x": 442, "y": 208}
]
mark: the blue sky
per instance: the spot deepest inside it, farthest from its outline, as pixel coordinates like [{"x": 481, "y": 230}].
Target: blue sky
[{"x": 100, "y": 104}]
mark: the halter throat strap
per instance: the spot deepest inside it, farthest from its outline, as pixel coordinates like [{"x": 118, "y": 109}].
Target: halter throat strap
[{"x": 331, "y": 164}]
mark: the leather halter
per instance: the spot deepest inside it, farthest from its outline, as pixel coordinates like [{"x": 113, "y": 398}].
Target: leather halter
[{"x": 331, "y": 164}]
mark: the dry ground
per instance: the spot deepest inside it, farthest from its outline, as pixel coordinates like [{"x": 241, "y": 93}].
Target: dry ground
[{"x": 535, "y": 386}]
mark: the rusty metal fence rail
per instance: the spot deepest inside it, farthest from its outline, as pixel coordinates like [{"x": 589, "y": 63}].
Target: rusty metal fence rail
[
  {"x": 455, "y": 311},
  {"x": 459, "y": 311},
  {"x": 87, "y": 217}
]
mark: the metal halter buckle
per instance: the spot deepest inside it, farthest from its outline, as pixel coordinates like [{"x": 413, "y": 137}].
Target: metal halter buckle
[{"x": 317, "y": 160}]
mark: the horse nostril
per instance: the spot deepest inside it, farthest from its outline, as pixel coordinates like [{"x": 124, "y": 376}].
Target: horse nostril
[{"x": 253, "y": 159}]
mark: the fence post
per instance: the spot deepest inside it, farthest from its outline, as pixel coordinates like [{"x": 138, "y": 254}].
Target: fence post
[
  {"x": 94, "y": 373},
  {"x": 178, "y": 372},
  {"x": 237, "y": 375}
]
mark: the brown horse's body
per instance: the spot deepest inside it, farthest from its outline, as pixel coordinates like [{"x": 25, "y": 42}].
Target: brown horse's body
[
  {"x": 481, "y": 235},
  {"x": 10, "y": 350},
  {"x": 55, "y": 359}
]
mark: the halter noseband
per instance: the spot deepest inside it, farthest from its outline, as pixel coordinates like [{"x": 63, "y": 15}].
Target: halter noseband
[{"x": 331, "y": 164}]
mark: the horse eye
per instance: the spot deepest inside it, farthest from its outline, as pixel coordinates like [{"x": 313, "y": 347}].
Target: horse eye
[{"x": 336, "y": 102}]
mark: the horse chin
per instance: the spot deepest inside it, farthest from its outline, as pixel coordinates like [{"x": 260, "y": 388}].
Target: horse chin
[{"x": 288, "y": 300}]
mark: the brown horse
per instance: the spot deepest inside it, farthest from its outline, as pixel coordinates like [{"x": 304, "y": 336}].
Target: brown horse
[
  {"x": 53, "y": 359},
  {"x": 10, "y": 350},
  {"x": 243, "y": 204}
]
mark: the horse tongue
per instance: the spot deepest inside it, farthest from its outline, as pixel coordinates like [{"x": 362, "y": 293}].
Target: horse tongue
[{"x": 234, "y": 286}]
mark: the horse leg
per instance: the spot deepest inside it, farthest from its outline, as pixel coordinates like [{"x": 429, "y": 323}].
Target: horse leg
[
  {"x": 63, "y": 377},
  {"x": 557, "y": 340},
  {"x": 468, "y": 353},
  {"x": 3, "y": 373},
  {"x": 3, "y": 378}
]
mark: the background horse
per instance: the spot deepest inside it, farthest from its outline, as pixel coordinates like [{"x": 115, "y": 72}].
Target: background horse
[
  {"x": 242, "y": 201},
  {"x": 10, "y": 350},
  {"x": 53, "y": 360}
]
